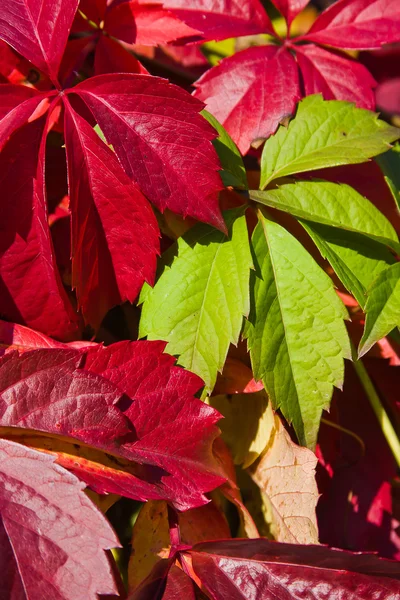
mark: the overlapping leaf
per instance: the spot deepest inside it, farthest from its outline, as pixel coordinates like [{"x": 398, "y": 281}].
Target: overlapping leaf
[
  {"x": 296, "y": 334},
  {"x": 198, "y": 303},
  {"x": 382, "y": 307},
  {"x": 52, "y": 538},
  {"x": 109, "y": 262},
  {"x": 144, "y": 435}
]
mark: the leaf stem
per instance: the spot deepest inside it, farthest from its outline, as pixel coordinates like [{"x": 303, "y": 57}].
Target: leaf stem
[{"x": 376, "y": 404}]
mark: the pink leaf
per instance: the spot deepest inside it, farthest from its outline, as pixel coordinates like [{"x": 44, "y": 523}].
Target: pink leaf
[
  {"x": 251, "y": 92},
  {"x": 161, "y": 140},
  {"x": 38, "y": 29},
  {"x": 114, "y": 231},
  {"x": 223, "y": 18},
  {"x": 358, "y": 24},
  {"x": 335, "y": 77},
  {"x": 147, "y": 25},
  {"x": 253, "y": 569},
  {"x": 290, "y": 8},
  {"x": 160, "y": 439},
  {"x": 388, "y": 96},
  {"x": 32, "y": 292},
  {"x": 52, "y": 538}
]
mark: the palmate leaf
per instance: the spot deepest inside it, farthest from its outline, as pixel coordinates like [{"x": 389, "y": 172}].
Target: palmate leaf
[
  {"x": 198, "y": 303},
  {"x": 324, "y": 133},
  {"x": 296, "y": 334},
  {"x": 356, "y": 259},
  {"x": 52, "y": 538},
  {"x": 382, "y": 307},
  {"x": 334, "y": 204}
]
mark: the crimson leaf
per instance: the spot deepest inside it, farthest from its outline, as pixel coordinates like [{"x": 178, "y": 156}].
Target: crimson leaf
[
  {"x": 114, "y": 230},
  {"x": 31, "y": 289},
  {"x": 158, "y": 441},
  {"x": 251, "y": 92},
  {"x": 161, "y": 140},
  {"x": 290, "y": 8},
  {"x": 359, "y": 24},
  {"x": 38, "y": 29},
  {"x": 52, "y": 538},
  {"x": 253, "y": 569}
]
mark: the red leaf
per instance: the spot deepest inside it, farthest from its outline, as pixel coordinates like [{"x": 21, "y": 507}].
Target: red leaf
[
  {"x": 222, "y": 19},
  {"x": 179, "y": 586},
  {"x": 32, "y": 292},
  {"x": 335, "y": 76},
  {"x": 253, "y": 569},
  {"x": 290, "y": 8},
  {"x": 16, "y": 69},
  {"x": 251, "y": 92},
  {"x": 161, "y": 140},
  {"x": 38, "y": 29},
  {"x": 145, "y": 24},
  {"x": 52, "y": 538},
  {"x": 160, "y": 440},
  {"x": 358, "y": 24},
  {"x": 109, "y": 264},
  {"x": 111, "y": 57},
  {"x": 388, "y": 96}
]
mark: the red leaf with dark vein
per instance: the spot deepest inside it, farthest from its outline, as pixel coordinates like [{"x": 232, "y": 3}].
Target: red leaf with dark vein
[
  {"x": 52, "y": 538},
  {"x": 290, "y": 8},
  {"x": 154, "y": 445},
  {"x": 147, "y": 24},
  {"x": 335, "y": 76},
  {"x": 251, "y": 92},
  {"x": 31, "y": 288},
  {"x": 222, "y": 19},
  {"x": 358, "y": 24},
  {"x": 162, "y": 141},
  {"x": 110, "y": 263},
  {"x": 38, "y": 29},
  {"x": 253, "y": 569}
]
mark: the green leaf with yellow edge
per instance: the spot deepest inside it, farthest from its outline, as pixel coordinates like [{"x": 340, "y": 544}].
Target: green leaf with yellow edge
[
  {"x": 198, "y": 303},
  {"x": 296, "y": 333},
  {"x": 382, "y": 308},
  {"x": 247, "y": 424},
  {"x": 324, "y": 133}
]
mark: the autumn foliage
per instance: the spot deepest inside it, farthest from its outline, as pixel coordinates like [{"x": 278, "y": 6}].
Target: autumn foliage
[{"x": 199, "y": 299}]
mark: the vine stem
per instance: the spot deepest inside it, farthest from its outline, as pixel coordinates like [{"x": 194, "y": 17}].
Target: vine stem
[{"x": 376, "y": 404}]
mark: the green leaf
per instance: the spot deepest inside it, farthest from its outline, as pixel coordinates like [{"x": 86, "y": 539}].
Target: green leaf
[
  {"x": 382, "y": 308},
  {"x": 356, "y": 259},
  {"x": 324, "y": 133},
  {"x": 296, "y": 334},
  {"x": 198, "y": 303},
  {"x": 334, "y": 204},
  {"x": 234, "y": 172},
  {"x": 389, "y": 164}
]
